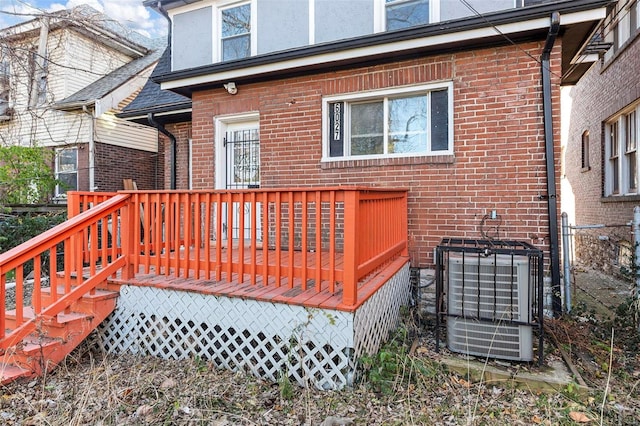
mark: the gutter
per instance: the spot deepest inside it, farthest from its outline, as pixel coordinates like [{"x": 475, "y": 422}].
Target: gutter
[
  {"x": 172, "y": 139},
  {"x": 151, "y": 116},
  {"x": 552, "y": 195}
]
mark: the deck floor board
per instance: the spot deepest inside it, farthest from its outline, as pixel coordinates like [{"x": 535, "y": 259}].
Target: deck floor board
[{"x": 290, "y": 290}]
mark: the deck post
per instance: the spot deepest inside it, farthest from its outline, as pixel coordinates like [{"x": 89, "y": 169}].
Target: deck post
[
  {"x": 127, "y": 239},
  {"x": 351, "y": 213},
  {"x": 404, "y": 223}
]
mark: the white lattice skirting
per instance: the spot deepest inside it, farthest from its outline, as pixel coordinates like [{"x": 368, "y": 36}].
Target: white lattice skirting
[{"x": 312, "y": 346}]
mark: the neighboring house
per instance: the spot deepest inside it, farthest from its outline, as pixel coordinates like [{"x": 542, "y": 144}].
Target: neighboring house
[
  {"x": 170, "y": 113},
  {"x": 601, "y": 163},
  {"x": 63, "y": 76},
  {"x": 429, "y": 96}
]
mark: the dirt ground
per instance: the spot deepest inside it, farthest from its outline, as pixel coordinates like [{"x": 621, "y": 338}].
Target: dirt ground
[
  {"x": 598, "y": 292},
  {"x": 405, "y": 384}
]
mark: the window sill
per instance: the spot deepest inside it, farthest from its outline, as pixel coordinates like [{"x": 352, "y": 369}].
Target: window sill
[
  {"x": 620, "y": 198},
  {"x": 391, "y": 161},
  {"x": 585, "y": 169}
]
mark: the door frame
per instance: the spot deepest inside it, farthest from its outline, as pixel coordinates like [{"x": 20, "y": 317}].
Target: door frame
[{"x": 221, "y": 123}]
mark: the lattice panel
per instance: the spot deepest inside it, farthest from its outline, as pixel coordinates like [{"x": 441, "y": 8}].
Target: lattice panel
[
  {"x": 269, "y": 339},
  {"x": 380, "y": 314}
]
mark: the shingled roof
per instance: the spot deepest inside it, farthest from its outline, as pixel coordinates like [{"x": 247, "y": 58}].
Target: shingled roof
[
  {"x": 103, "y": 86},
  {"x": 152, "y": 99}
]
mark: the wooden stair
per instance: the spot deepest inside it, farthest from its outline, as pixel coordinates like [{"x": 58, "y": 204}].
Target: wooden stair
[{"x": 55, "y": 337}]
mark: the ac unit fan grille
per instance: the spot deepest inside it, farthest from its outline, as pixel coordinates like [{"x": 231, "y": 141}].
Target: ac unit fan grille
[
  {"x": 489, "y": 294},
  {"x": 489, "y": 339}
]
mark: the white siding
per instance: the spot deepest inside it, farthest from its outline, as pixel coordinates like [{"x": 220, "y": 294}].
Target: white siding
[
  {"x": 114, "y": 131},
  {"x": 89, "y": 61},
  {"x": 47, "y": 128}
]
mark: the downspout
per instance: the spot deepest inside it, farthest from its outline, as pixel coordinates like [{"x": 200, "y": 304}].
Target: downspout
[
  {"x": 552, "y": 195},
  {"x": 172, "y": 139},
  {"x": 150, "y": 117},
  {"x": 92, "y": 149}
]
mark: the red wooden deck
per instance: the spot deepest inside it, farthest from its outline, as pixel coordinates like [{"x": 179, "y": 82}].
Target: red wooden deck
[{"x": 290, "y": 289}]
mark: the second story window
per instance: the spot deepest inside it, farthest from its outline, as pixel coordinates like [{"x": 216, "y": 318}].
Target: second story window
[
  {"x": 406, "y": 13},
  {"x": 621, "y": 137},
  {"x": 235, "y": 32}
]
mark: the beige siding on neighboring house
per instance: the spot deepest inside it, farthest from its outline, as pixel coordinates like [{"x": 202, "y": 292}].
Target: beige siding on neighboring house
[
  {"x": 54, "y": 128},
  {"x": 89, "y": 62},
  {"x": 114, "y": 131}
]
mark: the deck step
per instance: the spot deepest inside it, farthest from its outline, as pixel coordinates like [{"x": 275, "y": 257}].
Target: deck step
[
  {"x": 13, "y": 372},
  {"x": 55, "y": 337},
  {"x": 86, "y": 304}
]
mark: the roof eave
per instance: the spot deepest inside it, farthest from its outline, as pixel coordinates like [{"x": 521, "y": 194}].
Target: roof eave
[{"x": 464, "y": 34}]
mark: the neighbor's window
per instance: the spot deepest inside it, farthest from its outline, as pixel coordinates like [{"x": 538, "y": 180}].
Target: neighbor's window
[
  {"x": 4, "y": 81},
  {"x": 410, "y": 122},
  {"x": 406, "y": 13},
  {"x": 585, "y": 151},
  {"x": 235, "y": 32},
  {"x": 66, "y": 170},
  {"x": 621, "y": 136},
  {"x": 614, "y": 163},
  {"x": 630, "y": 151},
  {"x": 621, "y": 24}
]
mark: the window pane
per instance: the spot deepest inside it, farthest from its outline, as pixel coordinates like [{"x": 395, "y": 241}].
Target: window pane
[
  {"x": 631, "y": 176},
  {"x": 439, "y": 120},
  {"x": 235, "y": 32},
  {"x": 585, "y": 150},
  {"x": 408, "y": 125},
  {"x": 68, "y": 182},
  {"x": 67, "y": 160},
  {"x": 403, "y": 14},
  {"x": 236, "y": 48},
  {"x": 236, "y": 21},
  {"x": 367, "y": 127}
]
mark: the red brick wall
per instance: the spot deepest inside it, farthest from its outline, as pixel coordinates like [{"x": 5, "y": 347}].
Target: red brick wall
[
  {"x": 604, "y": 91},
  {"x": 498, "y": 162},
  {"x": 115, "y": 163}
]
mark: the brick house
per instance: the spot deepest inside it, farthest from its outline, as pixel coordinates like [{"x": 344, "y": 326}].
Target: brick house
[
  {"x": 480, "y": 75},
  {"x": 63, "y": 78},
  {"x": 600, "y": 164},
  {"x": 328, "y": 147}
]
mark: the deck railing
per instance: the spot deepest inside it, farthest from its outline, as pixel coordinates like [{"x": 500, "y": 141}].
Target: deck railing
[
  {"x": 323, "y": 240},
  {"x": 87, "y": 240}
]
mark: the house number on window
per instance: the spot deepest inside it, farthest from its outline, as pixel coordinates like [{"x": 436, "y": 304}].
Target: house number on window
[{"x": 337, "y": 122}]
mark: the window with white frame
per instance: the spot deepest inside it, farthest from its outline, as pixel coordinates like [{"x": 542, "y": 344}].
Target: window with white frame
[
  {"x": 621, "y": 24},
  {"x": 66, "y": 170},
  {"x": 4, "y": 81},
  {"x": 621, "y": 138},
  {"x": 413, "y": 121},
  {"x": 235, "y": 31},
  {"x": 406, "y": 13},
  {"x": 585, "y": 151}
]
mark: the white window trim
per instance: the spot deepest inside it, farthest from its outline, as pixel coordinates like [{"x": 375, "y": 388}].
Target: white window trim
[
  {"x": 380, "y": 14},
  {"x": 220, "y": 124},
  {"x": 57, "y": 172},
  {"x": 378, "y": 94},
  {"x": 623, "y": 166},
  {"x": 217, "y": 9}
]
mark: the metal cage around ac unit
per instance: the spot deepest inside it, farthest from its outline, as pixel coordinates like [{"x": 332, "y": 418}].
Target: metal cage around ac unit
[{"x": 489, "y": 293}]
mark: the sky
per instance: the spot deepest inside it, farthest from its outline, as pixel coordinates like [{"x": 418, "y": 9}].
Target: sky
[{"x": 129, "y": 12}]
